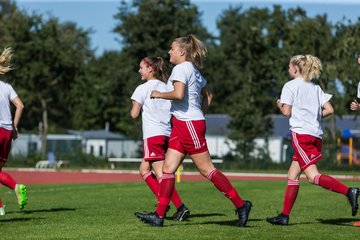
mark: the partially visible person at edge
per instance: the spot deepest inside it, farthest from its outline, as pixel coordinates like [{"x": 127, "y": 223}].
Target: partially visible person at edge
[
  {"x": 190, "y": 99},
  {"x": 9, "y": 129},
  {"x": 355, "y": 105},
  {"x": 305, "y": 103},
  {"x": 156, "y": 127}
]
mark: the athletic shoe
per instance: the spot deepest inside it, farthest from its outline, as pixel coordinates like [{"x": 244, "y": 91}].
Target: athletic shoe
[
  {"x": 181, "y": 213},
  {"x": 2, "y": 211},
  {"x": 151, "y": 218},
  {"x": 20, "y": 191},
  {"x": 280, "y": 219},
  {"x": 353, "y": 194},
  {"x": 243, "y": 213}
]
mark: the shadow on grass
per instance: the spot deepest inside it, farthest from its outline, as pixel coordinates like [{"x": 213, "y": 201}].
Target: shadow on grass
[
  {"x": 200, "y": 215},
  {"x": 19, "y": 220},
  {"x": 339, "y": 221},
  {"x": 44, "y": 210},
  {"x": 231, "y": 223}
]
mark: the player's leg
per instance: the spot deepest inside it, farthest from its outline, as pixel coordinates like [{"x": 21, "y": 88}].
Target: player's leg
[
  {"x": 149, "y": 177},
  {"x": 290, "y": 195},
  {"x": 5, "y": 178},
  {"x": 205, "y": 166},
  {"x": 172, "y": 162},
  {"x": 181, "y": 210},
  {"x": 330, "y": 183}
]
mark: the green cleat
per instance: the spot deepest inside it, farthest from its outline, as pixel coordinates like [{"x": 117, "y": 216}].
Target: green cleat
[
  {"x": 2, "y": 211},
  {"x": 20, "y": 191}
]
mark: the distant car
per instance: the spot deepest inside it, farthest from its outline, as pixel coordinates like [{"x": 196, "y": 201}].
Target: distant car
[{"x": 344, "y": 154}]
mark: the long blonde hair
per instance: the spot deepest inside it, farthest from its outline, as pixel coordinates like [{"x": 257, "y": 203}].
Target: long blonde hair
[
  {"x": 5, "y": 59},
  {"x": 310, "y": 67},
  {"x": 195, "y": 50}
]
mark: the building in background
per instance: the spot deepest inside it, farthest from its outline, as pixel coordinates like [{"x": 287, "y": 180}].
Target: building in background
[{"x": 103, "y": 143}]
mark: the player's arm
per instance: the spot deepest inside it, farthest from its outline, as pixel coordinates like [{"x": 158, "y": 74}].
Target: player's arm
[
  {"x": 327, "y": 110},
  {"x": 177, "y": 94},
  {"x": 285, "y": 109},
  {"x": 206, "y": 99},
  {"x": 18, "y": 112},
  {"x": 135, "y": 110}
]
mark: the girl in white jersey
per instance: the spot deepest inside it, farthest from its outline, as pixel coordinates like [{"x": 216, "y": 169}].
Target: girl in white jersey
[
  {"x": 155, "y": 127},
  {"x": 190, "y": 98},
  {"x": 9, "y": 128},
  {"x": 305, "y": 103}
]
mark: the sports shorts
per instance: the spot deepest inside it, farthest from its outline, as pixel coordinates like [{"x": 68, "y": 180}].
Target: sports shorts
[
  {"x": 188, "y": 137},
  {"x": 154, "y": 148},
  {"x": 307, "y": 149}
]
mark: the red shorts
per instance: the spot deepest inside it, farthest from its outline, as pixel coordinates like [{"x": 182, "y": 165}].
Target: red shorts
[
  {"x": 188, "y": 136},
  {"x": 307, "y": 149},
  {"x": 154, "y": 148},
  {"x": 5, "y": 143}
]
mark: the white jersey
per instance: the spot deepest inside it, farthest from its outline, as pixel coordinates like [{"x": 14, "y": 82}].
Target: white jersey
[
  {"x": 189, "y": 108},
  {"x": 7, "y": 94},
  {"x": 358, "y": 91},
  {"x": 155, "y": 112},
  {"x": 307, "y": 100}
]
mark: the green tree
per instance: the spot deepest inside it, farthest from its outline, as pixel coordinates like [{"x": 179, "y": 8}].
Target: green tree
[
  {"x": 147, "y": 28},
  {"x": 49, "y": 57}
]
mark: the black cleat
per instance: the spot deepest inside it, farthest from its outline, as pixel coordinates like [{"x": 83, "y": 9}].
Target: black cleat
[
  {"x": 280, "y": 219},
  {"x": 353, "y": 194},
  {"x": 151, "y": 218},
  {"x": 181, "y": 213},
  {"x": 243, "y": 213}
]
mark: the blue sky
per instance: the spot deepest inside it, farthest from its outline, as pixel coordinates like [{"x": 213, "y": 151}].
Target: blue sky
[{"x": 98, "y": 15}]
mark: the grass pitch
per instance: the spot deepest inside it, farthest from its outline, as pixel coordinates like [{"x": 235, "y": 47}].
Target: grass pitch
[{"x": 106, "y": 211}]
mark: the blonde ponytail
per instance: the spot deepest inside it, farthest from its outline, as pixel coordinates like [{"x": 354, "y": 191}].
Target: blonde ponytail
[
  {"x": 5, "y": 59},
  {"x": 195, "y": 50},
  {"x": 310, "y": 67}
]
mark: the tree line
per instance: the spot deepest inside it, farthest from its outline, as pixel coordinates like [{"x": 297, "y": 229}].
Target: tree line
[{"x": 64, "y": 85}]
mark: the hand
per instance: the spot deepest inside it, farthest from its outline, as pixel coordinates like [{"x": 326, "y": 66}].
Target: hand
[
  {"x": 15, "y": 133},
  {"x": 354, "y": 106},
  {"x": 155, "y": 94},
  {"x": 278, "y": 103}
]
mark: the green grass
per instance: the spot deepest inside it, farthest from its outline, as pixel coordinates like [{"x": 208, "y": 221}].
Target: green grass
[{"x": 106, "y": 211}]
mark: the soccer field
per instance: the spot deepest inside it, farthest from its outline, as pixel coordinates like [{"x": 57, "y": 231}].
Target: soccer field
[{"x": 106, "y": 211}]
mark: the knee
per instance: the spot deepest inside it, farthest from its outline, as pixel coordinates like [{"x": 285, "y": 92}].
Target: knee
[
  {"x": 144, "y": 170},
  {"x": 314, "y": 179}
]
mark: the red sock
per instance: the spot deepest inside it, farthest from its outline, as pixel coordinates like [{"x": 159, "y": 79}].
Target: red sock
[
  {"x": 223, "y": 185},
  {"x": 7, "y": 180},
  {"x": 167, "y": 183},
  {"x": 152, "y": 183},
  {"x": 291, "y": 193},
  {"x": 175, "y": 198},
  {"x": 330, "y": 183},
  {"x": 1, "y": 203}
]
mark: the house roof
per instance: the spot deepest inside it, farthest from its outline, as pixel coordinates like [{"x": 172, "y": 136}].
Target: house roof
[
  {"x": 217, "y": 124},
  {"x": 98, "y": 134}
]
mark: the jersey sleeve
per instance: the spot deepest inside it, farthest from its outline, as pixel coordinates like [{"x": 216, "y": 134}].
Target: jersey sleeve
[
  {"x": 139, "y": 95},
  {"x": 178, "y": 74},
  {"x": 324, "y": 97},
  {"x": 12, "y": 93},
  {"x": 358, "y": 90},
  {"x": 287, "y": 96}
]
